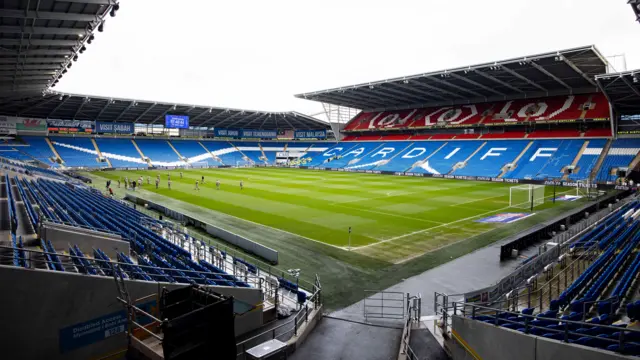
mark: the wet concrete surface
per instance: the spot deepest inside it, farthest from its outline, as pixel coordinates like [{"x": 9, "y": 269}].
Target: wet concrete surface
[
  {"x": 337, "y": 339},
  {"x": 344, "y": 340}
]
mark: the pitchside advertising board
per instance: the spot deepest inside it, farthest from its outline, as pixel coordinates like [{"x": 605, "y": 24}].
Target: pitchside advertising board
[
  {"x": 113, "y": 128},
  {"x": 176, "y": 121}
]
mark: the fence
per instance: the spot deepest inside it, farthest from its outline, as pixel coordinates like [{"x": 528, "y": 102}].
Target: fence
[
  {"x": 384, "y": 305},
  {"x": 414, "y": 312},
  {"x": 566, "y": 332},
  {"x": 284, "y": 332}
]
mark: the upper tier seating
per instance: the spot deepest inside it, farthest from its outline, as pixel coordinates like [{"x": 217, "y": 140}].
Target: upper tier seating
[
  {"x": 558, "y": 108},
  {"x": 77, "y": 151},
  {"x": 505, "y": 135},
  {"x": 598, "y": 133},
  {"x": 554, "y": 134}
]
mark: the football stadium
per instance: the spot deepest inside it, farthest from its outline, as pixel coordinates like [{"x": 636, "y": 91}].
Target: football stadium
[{"x": 488, "y": 211}]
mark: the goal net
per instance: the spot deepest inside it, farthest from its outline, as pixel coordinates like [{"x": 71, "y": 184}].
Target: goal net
[
  {"x": 198, "y": 164},
  {"x": 244, "y": 163},
  {"x": 526, "y": 196}
]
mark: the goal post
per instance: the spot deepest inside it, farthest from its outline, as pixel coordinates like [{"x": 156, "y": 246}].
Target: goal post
[
  {"x": 526, "y": 196},
  {"x": 198, "y": 165}
]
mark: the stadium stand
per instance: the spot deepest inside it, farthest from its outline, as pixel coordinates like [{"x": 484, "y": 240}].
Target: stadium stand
[
  {"x": 159, "y": 152},
  {"x": 593, "y": 106},
  {"x": 405, "y": 160},
  {"x": 354, "y": 155},
  {"x": 194, "y": 152},
  {"x": 620, "y": 155},
  {"x": 120, "y": 152},
  {"x": 39, "y": 149},
  {"x": 600, "y": 303},
  {"x": 383, "y": 154},
  {"x": 77, "y": 151},
  {"x": 484, "y": 162},
  {"x": 450, "y": 154}
]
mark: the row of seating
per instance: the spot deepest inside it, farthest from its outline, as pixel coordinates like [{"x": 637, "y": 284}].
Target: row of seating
[
  {"x": 572, "y": 107},
  {"x": 536, "y": 134},
  {"x": 121, "y": 152},
  {"x": 515, "y": 159}
]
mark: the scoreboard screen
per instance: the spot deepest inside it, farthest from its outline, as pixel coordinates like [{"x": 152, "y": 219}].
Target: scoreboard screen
[{"x": 177, "y": 121}]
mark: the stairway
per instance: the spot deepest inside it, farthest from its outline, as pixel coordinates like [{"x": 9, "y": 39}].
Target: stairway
[
  {"x": 584, "y": 111},
  {"x": 144, "y": 158},
  {"x": 212, "y": 156},
  {"x": 95, "y": 145},
  {"x": 243, "y": 155},
  {"x": 55, "y": 152},
  {"x": 577, "y": 159},
  {"x": 515, "y": 161},
  {"x": 635, "y": 162},
  {"x": 603, "y": 155},
  {"x": 176, "y": 151},
  {"x": 264, "y": 156},
  {"x": 464, "y": 163}
]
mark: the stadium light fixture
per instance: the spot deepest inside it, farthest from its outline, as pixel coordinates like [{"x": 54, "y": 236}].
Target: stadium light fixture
[
  {"x": 80, "y": 36},
  {"x": 101, "y": 27},
  {"x": 75, "y": 58},
  {"x": 114, "y": 9},
  {"x": 90, "y": 39},
  {"x": 60, "y": 98},
  {"x": 82, "y": 49}
]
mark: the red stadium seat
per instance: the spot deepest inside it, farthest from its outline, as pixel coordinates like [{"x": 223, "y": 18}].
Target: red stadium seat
[
  {"x": 467, "y": 136},
  {"x": 553, "y": 134},
  {"x": 598, "y": 133},
  {"x": 395, "y": 137},
  {"x": 505, "y": 135}
]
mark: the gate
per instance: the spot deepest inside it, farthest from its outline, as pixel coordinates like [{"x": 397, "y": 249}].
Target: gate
[{"x": 384, "y": 305}]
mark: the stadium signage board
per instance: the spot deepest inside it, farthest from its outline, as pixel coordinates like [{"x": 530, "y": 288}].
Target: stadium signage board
[
  {"x": 177, "y": 121},
  {"x": 70, "y": 126},
  {"x": 88, "y": 332},
  {"x": 226, "y": 132},
  {"x": 310, "y": 134},
  {"x": 114, "y": 128},
  {"x": 262, "y": 134}
]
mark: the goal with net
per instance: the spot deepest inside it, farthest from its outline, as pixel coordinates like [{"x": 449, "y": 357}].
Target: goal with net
[
  {"x": 526, "y": 196},
  {"x": 198, "y": 164}
]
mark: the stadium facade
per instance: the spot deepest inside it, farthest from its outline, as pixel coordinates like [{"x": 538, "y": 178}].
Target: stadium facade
[{"x": 554, "y": 118}]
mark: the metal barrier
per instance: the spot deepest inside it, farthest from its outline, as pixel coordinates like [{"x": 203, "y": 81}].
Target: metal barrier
[
  {"x": 288, "y": 328},
  {"x": 414, "y": 313},
  {"x": 567, "y": 328},
  {"x": 384, "y": 305}
]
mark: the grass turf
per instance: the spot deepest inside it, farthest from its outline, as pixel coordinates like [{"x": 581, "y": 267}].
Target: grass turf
[{"x": 401, "y": 225}]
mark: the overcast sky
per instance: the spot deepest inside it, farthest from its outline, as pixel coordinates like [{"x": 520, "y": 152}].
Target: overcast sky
[{"x": 258, "y": 54}]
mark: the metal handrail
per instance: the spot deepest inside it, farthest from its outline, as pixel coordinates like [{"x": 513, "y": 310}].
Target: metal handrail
[
  {"x": 249, "y": 278},
  {"x": 314, "y": 298},
  {"x": 495, "y": 314}
]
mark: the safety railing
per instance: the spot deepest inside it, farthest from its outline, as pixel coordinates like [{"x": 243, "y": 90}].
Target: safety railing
[
  {"x": 566, "y": 330},
  {"x": 38, "y": 259},
  {"x": 384, "y": 304},
  {"x": 285, "y": 331},
  {"x": 413, "y": 312}
]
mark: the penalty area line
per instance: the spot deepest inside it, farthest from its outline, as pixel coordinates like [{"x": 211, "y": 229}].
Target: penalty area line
[{"x": 443, "y": 225}]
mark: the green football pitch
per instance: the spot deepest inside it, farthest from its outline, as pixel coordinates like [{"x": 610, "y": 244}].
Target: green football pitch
[{"x": 306, "y": 215}]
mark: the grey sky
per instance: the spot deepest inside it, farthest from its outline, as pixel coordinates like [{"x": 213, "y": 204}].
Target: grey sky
[{"x": 258, "y": 54}]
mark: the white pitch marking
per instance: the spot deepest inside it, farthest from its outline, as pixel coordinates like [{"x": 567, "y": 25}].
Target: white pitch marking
[
  {"x": 443, "y": 225},
  {"x": 390, "y": 214}
]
